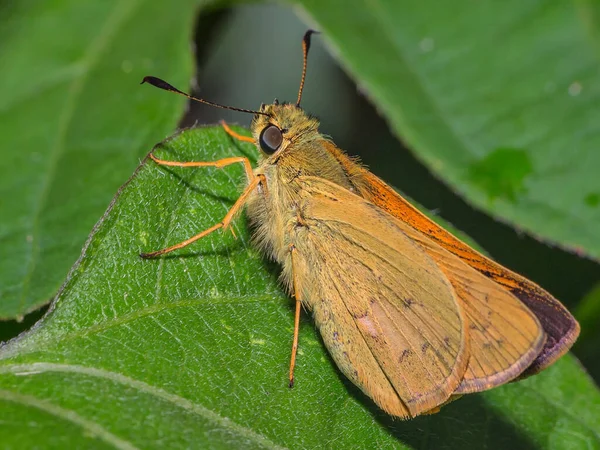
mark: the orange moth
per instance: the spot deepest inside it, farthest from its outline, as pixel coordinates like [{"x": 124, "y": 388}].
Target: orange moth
[{"x": 410, "y": 314}]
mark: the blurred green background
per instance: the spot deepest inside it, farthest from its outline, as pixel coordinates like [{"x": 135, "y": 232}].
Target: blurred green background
[{"x": 77, "y": 124}]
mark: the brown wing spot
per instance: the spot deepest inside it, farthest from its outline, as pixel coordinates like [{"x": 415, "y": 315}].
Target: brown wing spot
[
  {"x": 408, "y": 302},
  {"x": 405, "y": 354}
]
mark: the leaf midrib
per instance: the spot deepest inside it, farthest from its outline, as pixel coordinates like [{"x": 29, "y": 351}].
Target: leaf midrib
[
  {"x": 13, "y": 348},
  {"x": 141, "y": 386},
  {"x": 90, "y": 427}
]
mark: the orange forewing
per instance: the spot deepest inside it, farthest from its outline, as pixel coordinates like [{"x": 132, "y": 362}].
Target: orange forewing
[{"x": 559, "y": 325}]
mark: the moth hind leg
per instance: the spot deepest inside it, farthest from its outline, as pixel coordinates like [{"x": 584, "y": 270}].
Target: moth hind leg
[{"x": 298, "y": 299}]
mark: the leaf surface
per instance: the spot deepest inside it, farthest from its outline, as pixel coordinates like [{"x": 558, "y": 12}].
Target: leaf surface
[
  {"x": 192, "y": 350},
  {"x": 74, "y": 124}
]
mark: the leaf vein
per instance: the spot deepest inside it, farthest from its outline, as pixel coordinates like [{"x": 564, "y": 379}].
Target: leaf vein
[{"x": 141, "y": 386}]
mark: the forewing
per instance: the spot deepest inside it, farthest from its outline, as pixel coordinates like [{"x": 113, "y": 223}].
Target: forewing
[
  {"x": 560, "y": 326},
  {"x": 386, "y": 312}
]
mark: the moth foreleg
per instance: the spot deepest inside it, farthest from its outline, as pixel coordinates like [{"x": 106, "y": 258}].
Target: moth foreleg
[
  {"x": 219, "y": 163},
  {"x": 223, "y": 224},
  {"x": 235, "y": 135}
]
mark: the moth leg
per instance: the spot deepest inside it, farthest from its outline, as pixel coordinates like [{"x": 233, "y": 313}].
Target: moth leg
[
  {"x": 223, "y": 224},
  {"x": 220, "y": 163},
  {"x": 296, "y": 317},
  {"x": 235, "y": 135}
]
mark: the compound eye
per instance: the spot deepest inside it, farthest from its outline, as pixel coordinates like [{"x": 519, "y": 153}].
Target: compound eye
[{"x": 270, "y": 139}]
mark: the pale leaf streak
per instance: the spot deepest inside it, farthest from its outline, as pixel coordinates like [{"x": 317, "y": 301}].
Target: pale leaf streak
[
  {"x": 124, "y": 343},
  {"x": 103, "y": 312},
  {"x": 141, "y": 386},
  {"x": 173, "y": 335},
  {"x": 232, "y": 271},
  {"x": 112, "y": 299},
  {"x": 197, "y": 343},
  {"x": 50, "y": 81},
  {"x": 172, "y": 220},
  {"x": 91, "y": 428},
  {"x": 9, "y": 351},
  {"x": 119, "y": 16},
  {"x": 193, "y": 282}
]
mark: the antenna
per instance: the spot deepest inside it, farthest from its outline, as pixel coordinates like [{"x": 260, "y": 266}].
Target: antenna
[
  {"x": 161, "y": 84},
  {"x": 305, "y": 48}
]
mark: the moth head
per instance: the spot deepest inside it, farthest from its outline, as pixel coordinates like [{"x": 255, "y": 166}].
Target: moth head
[
  {"x": 282, "y": 125},
  {"x": 275, "y": 127}
]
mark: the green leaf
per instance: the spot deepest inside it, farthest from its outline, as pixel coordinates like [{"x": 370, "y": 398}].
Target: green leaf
[
  {"x": 588, "y": 315},
  {"x": 191, "y": 350},
  {"x": 499, "y": 99},
  {"x": 74, "y": 123}
]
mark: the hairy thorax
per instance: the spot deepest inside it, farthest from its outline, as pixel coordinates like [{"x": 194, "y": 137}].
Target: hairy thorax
[{"x": 274, "y": 212}]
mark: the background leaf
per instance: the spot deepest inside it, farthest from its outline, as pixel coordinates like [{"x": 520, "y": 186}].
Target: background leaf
[
  {"x": 500, "y": 101},
  {"x": 74, "y": 124},
  {"x": 94, "y": 376},
  {"x": 192, "y": 350},
  {"x": 588, "y": 344}
]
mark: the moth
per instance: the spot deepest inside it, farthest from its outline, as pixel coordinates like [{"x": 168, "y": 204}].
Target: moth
[{"x": 409, "y": 313}]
